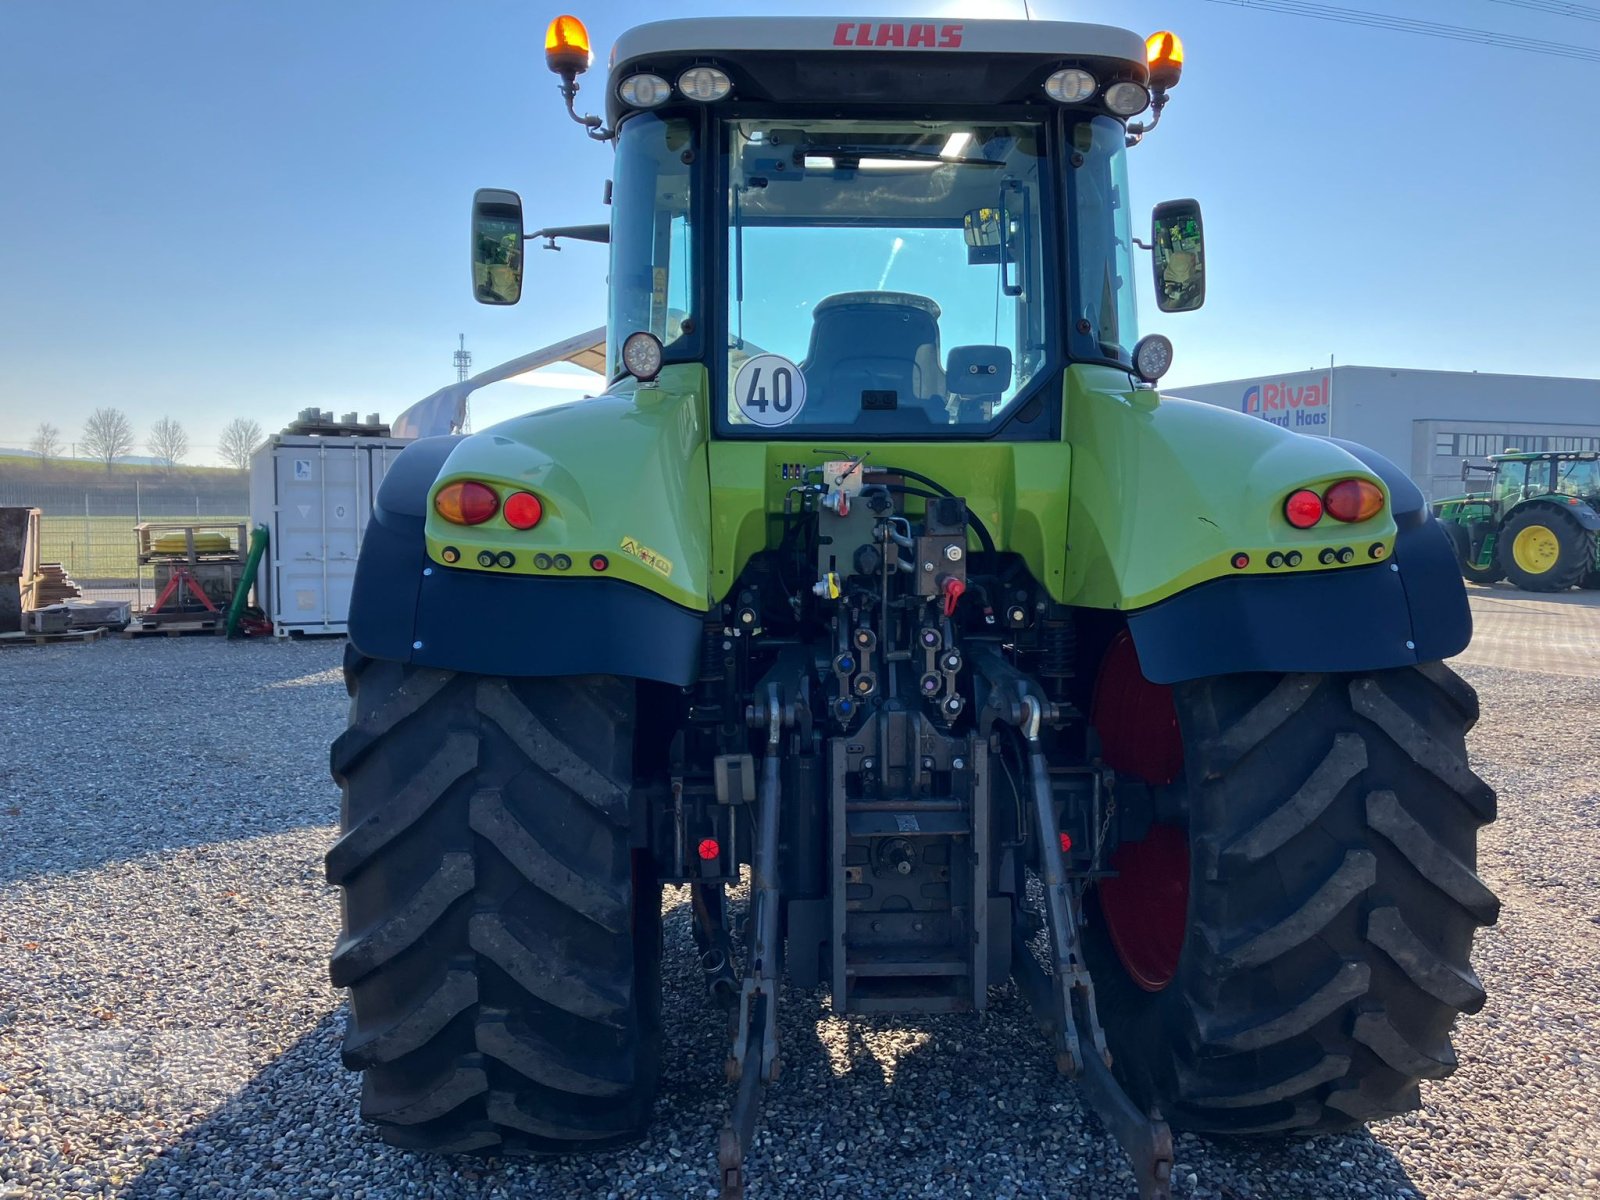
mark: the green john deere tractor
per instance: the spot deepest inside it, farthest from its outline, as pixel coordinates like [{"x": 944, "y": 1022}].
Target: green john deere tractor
[
  {"x": 1538, "y": 525},
  {"x": 882, "y": 570}
]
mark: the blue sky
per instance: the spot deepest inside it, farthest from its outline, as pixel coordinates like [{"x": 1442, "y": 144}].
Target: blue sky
[{"x": 250, "y": 208}]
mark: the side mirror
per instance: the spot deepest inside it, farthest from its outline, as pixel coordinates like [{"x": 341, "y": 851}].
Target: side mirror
[
  {"x": 1179, "y": 255},
  {"x": 980, "y": 228},
  {"x": 496, "y": 246}
]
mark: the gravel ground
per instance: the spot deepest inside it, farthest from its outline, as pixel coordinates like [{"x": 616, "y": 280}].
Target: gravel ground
[{"x": 167, "y": 1029}]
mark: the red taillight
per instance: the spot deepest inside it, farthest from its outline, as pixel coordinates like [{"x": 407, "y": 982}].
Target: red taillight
[
  {"x": 1352, "y": 500},
  {"x": 466, "y": 503},
  {"x": 710, "y": 849},
  {"x": 523, "y": 510},
  {"x": 1303, "y": 509}
]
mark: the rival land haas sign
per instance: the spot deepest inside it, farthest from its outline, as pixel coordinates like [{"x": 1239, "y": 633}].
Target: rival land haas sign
[{"x": 1304, "y": 408}]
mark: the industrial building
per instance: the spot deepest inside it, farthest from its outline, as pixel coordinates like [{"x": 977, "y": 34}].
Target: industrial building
[{"x": 1425, "y": 421}]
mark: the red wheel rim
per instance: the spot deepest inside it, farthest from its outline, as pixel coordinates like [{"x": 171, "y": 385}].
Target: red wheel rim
[{"x": 1146, "y": 907}]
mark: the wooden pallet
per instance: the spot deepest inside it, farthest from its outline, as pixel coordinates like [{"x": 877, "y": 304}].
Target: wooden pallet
[
  {"x": 51, "y": 639},
  {"x": 208, "y": 628}
]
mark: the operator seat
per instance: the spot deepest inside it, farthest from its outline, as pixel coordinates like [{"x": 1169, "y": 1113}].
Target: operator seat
[{"x": 884, "y": 342}]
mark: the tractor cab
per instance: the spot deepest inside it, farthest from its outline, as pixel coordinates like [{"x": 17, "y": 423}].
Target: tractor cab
[
  {"x": 875, "y": 230},
  {"x": 1524, "y": 476}
]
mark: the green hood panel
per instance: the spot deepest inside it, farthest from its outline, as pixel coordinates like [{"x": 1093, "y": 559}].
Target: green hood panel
[
  {"x": 1166, "y": 491},
  {"x": 1146, "y": 498},
  {"x": 622, "y": 475}
]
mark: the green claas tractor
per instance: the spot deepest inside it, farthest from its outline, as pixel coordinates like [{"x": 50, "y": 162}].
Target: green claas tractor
[
  {"x": 1538, "y": 525},
  {"x": 882, "y": 571}
]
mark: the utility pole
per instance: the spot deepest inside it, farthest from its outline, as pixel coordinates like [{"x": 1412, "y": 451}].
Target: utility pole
[{"x": 463, "y": 360}]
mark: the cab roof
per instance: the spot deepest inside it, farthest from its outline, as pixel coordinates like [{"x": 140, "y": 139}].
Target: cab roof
[
  {"x": 733, "y": 36},
  {"x": 909, "y": 65}
]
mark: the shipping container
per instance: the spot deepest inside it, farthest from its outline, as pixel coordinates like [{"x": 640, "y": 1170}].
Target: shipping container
[{"x": 314, "y": 494}]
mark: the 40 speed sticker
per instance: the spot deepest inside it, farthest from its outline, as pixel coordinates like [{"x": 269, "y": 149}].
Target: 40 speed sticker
[{"x": 769, "y": 390}]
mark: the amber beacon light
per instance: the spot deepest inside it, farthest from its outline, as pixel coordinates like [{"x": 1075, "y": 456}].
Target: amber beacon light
[
  {"x": 1165, "y": 54},
  {"x": 566, "y": 47}
]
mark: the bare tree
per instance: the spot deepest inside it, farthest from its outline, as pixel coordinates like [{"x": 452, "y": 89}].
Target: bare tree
[
  {"x": 107, "y": 435},
  {"x": 168, "y": 442},
  {"x": 240, "y": 437},
  {"x": 46, "y": 442}
]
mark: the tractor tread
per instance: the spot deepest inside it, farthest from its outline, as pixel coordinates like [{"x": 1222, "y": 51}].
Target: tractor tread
[
  {"x": 544, "y": 1062},
  {"x": 1346, "y": 760},
  {"x": 1355, "y": 874},
  {"x": 357, "y": 955},
  {"x": 1457, "y": 986},
  {"x": 540, "y": 744},
  {"x": 1456, "y": 689},
  {"x": 457, "y": 754},
  {"x": 1451, "y": 767},
  {"x": 418, "y": 688},
  {"x": 457, "y": 992},
  {"x": 1348, "y": 982},
  {"x": 1225, "y": 750},
  {"x": 1364, "y": 1102},
  {"x": 545, "y": 969},
  {"x": 1429, "y": 856},
  {"x": 606, "y": 906},
  {"x": 1277, "y": 1118},
  {"x": 1375, "y": 1031},
  {"x": 1255, "y": 1094},
  {"x": 505, "y": 1108},
  {"x": 445, "y": 1093}
]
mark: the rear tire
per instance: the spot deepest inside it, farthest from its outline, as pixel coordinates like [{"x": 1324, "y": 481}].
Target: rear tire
[
  {"x": 501, "y": 942},
  {"x": 1332, "y": 903},
  {"x": 1542, "y": 549},
  {"x": 1462, "y": 540}
]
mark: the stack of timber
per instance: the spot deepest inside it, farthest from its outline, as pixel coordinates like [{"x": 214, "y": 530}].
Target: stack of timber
[{"x": 50, "y": 586}]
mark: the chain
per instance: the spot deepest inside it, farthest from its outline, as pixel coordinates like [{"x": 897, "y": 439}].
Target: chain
[{"x": 1105, "y": 828}]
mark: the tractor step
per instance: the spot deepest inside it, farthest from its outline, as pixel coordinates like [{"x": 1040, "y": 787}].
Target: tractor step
[
  {"x": 908, "y": 877},
  {"x": 899, "y": 962}
]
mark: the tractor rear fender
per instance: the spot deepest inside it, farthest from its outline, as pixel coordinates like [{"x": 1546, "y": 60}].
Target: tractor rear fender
[
  {"x": 1573, "y": 507},
  {"x": 1177, "y": 518},
  {"x": 1409, "y": 608},
  {"x": 611, "y": 579}
]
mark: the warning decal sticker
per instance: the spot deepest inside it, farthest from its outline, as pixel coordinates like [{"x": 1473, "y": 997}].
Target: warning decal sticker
[{"x": 637, "y": 549}]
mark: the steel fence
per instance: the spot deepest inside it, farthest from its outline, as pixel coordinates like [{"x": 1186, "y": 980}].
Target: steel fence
[{"x": 89, "y": 527}]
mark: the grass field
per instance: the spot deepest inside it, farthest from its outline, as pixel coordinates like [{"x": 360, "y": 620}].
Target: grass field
[
  {"x": 81, "y": 470},
  {"x": 96, "y": 548}
]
